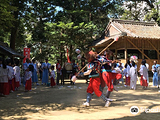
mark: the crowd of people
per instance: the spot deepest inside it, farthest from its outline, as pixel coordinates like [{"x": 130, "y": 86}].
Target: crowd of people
[{"x": 101, "y": 71}]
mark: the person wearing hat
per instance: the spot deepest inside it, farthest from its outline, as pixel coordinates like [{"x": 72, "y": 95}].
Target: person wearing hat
[
  {"x": 45, "y": 75},
  {"x": 93, "y": 70}
]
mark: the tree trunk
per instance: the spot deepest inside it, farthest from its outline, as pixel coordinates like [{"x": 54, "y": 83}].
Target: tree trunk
[
  {"x": 70, "y": 52},
  {"x": 14, "y": 30}
]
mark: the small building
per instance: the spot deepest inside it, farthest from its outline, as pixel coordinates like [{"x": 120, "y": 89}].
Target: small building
[
  {"x": 7, "y": 51},
  {"x": 135, "y": 38}
]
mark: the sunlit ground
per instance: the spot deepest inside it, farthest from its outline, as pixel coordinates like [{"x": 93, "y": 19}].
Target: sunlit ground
[{"x": 64, "y": 102}]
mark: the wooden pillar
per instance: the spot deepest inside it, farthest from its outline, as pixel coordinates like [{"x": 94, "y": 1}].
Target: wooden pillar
[
  {"x": 116, "y": 54},
  {"x": 142, "y": 43},
  {"x": 125, "y": 50},
  {"x": 125, "y": 54}
]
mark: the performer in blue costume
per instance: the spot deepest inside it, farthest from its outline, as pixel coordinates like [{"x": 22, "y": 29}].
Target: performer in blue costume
[
  {"x": 45, "y": 74},
  {"x": 155, "y": 74},
  {"x": 34, "y": 73}
]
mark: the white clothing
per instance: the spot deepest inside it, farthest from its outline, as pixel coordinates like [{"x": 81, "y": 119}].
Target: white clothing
[
  {"x": 28, "y": 75},
  {"x": 116, "y": 70},
  {"x": 125, "y": 72},
  {"x": 144, "y": 71},
  {"x": 133, "y": 75},
  {"x": 4, "y": 75},
  {"x": 25, "y": 66},
  {"x": 128, "y": 71},
  {"x": 53, "y": 74},
  {"x": 10, "y": 72},
  {"x": 17, "y": 73}
]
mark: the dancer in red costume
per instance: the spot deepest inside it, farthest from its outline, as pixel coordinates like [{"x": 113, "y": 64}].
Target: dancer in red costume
[{"x": 93, "y": 70}]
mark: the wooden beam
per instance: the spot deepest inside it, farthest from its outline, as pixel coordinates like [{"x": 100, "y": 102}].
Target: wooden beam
[
  {"x": 138, "y": 49},
  {"x": 153, "y": 46},
  {"x": 142, "y": 48}
]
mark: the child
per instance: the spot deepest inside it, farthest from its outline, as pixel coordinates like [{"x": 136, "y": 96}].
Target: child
[
  {"x": 53, "y": 76},
  {"x": 28, "y": 78},
  {"x": 144, "y": 74},
  {"x": 11, "y": 78},
  {"x": 128, "y": 66},
  {"x": 4, "y": 85},
  {"x": 133, "y": 74},
  {"x": 17, "y": 74}
]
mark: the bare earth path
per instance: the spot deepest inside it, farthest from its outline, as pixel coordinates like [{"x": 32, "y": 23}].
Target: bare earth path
[{"x": 64, "y": 102}]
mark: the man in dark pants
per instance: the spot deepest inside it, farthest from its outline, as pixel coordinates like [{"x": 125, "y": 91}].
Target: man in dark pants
[{"x": 58, "y": 68}]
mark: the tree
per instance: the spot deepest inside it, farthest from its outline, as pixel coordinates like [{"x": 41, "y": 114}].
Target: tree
[{"x": 145, "y": 10}]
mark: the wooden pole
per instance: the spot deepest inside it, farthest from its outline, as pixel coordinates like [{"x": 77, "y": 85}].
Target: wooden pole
[{"x": 98, "y": 54}]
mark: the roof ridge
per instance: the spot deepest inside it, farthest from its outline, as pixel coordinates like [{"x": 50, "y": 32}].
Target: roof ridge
[
  {"x": 134, "y": 22},
  {"x": 120, "y": 27}
]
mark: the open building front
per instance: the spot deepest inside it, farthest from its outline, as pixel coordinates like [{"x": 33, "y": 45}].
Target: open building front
[{"x": 135, "y": 38}]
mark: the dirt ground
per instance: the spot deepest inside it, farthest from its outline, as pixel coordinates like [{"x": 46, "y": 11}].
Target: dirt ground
[{"x": 64, "y": 102}]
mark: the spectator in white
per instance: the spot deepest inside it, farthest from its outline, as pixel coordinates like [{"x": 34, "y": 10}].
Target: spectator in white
[
  {"x": 128, "y": 66},
  {"x": 4, "y": 85},
  {"x": 17, "y": 74},
  {"x": 133, "y": 75},
  {"x": 10, "y": 76},
  {"x": 58, "y": 68},
  {"x": 147, "y": 65},
  {"x": 144, "y": 74}
]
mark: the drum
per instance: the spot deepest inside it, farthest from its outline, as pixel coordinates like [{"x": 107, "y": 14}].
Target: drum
[{"x": 68, "y": 66}]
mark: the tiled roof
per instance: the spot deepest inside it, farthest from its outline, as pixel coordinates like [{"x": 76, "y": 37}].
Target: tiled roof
[
  {"x": 137, "y": 29},
  {"x": 8, "y": 51}
]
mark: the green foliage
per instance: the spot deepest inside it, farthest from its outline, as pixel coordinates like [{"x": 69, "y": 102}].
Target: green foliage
[{"x": 6, "y": 16}]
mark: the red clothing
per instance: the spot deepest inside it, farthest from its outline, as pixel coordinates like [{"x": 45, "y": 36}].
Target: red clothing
[
  {"x": 52, "y": 82},
  {"x": 94, "y": 86},
  {"x": 103, "y": 84},
  {"x": 128, "y": 81},
  {"x": 12, "y": 84},
  {"x": 58, "y": 67},
  {"x": 143, "y": 82},
  {"x": 108, "y": 77},
  {"x": 28, "y": 85},
  {"x": 17, "y": 84},
  {"x": 5, "y": 88}
]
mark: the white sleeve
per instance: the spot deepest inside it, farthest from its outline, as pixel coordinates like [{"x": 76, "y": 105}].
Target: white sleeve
[
  {"x": 88, "y": 72},
  {"x": 141, "y": 70},
  {"x": 9, "y": 73}
]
